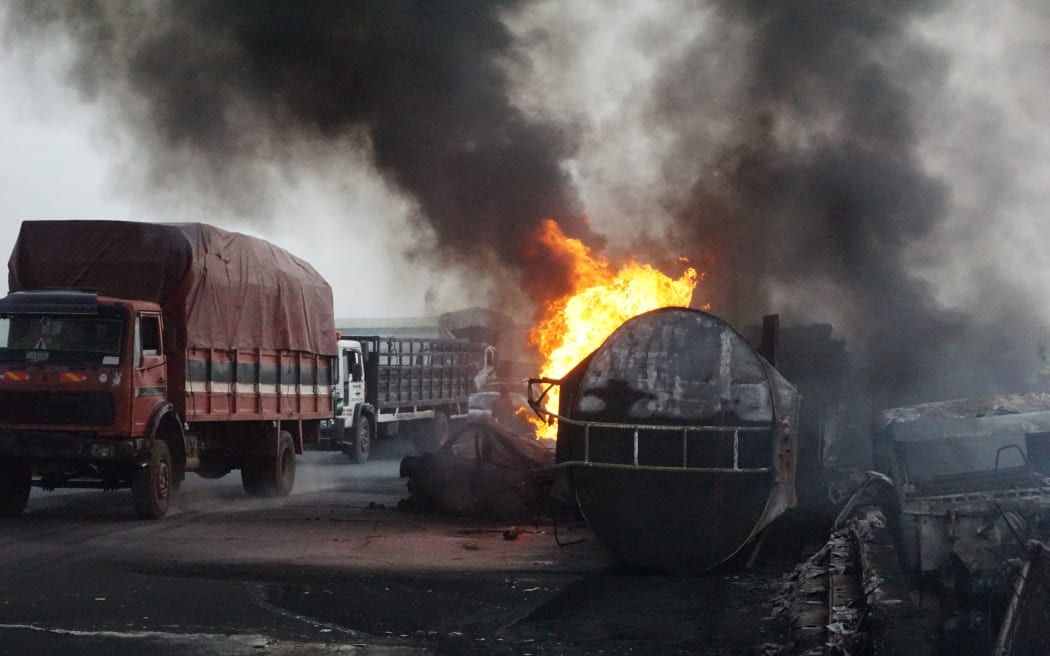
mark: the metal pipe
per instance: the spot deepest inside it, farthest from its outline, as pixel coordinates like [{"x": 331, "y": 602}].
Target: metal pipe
[
  {"x": 660, "y": 468},
  {"x": 659, "y": 427},
  {"x": 587, "y": 443}
]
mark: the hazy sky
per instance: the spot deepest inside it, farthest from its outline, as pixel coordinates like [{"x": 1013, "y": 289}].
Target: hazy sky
[
  {"x": 63, "y": 156},
  {"x": 60, "y": 157}
]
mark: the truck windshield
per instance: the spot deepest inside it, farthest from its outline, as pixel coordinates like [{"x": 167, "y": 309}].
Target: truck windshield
[{"x": 55, "y": 337}]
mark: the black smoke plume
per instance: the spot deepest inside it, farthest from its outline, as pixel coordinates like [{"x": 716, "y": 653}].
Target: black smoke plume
[
  {"x": 211, "y": 88},
  {"x": 816, "y": 202},
  {"x": 821, "y": 196}
]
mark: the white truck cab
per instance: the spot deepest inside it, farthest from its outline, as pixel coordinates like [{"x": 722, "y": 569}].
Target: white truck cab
[{"x": 350, "y": 389}]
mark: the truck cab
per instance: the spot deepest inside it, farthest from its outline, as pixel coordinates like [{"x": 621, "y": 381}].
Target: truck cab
[
  {"x": 354, "y": 427},
  {"x": 350, "y": 390},
  {"x": 82, "y": 377},
  {"x": 395, "y": 385}
]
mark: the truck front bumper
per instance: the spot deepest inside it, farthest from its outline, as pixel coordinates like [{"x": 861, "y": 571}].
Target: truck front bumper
[{"x": 71, "y": 447}]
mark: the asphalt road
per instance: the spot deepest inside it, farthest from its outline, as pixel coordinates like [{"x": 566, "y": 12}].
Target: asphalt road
[{"x": 337, "y": 568}]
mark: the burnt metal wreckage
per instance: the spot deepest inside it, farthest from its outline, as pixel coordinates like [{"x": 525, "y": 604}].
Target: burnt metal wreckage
[
  {"x": 943, "y": 552},
  {"x": 852, "y": 596},
  {"x": 484, "y": 469},
  {"x": 677, "y": 443},
  {"x": 680, "y": 443},
  {"x": 678, "y": 439},
  {"x": 972, "y": 489}
]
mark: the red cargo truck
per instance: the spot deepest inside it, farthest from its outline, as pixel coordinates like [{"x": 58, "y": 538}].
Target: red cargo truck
[{"x": 132, "y": 353}]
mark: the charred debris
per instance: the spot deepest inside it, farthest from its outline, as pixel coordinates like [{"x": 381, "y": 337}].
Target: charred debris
[
  {"x": 939, "y": 547},
  {"x": 922, "y": 528}
]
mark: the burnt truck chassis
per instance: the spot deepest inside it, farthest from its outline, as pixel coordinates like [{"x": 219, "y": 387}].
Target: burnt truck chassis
[
  {"x": 971, "y": 491},
  {"x": 944, "y": 551}
]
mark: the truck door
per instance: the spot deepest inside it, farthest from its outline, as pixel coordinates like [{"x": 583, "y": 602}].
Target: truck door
[
  {"x": 355, "y": 384},
  {"x": 150, "y": 370}
]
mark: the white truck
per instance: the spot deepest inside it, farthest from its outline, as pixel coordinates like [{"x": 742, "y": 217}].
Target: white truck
[{"x": 387, "y": 385}]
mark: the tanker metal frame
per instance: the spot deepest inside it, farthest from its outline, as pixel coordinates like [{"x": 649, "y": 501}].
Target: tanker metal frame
[{"x": 133, "y": 353}]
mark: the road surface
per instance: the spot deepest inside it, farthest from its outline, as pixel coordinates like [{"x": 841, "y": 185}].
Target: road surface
[{"x": 337, "y": 568}]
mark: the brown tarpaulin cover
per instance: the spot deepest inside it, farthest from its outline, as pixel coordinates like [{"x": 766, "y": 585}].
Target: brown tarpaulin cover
[{"x": 227, "y": 290}]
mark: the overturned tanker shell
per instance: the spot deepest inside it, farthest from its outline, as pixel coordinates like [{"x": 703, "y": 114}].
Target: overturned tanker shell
[{"x": 680, "y": 439}]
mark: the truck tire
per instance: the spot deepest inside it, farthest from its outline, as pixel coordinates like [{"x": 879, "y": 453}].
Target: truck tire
[
  {"x": 15, "y": 480},
  {"x": 153, "y": 485},
  {"x": 430, "y": 438},
  {"x": 361, "y": 448},
  {"x": 274, "y": 475},
  {"x": 440, "y": 429},
  {"x": 250, "y": 478}
]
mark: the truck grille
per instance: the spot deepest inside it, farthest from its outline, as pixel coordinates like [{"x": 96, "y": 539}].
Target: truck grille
[{"x": 56, "y": 408}]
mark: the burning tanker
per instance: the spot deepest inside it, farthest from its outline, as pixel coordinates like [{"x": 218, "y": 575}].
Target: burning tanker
[{"x": 678, "y": 438}]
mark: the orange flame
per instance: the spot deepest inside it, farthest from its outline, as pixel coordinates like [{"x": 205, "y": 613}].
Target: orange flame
[{"x": 603, "y": 298}]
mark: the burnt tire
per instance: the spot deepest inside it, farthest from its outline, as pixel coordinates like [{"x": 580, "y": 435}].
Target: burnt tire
[
  {"x": 152, "y": 486},
  {"x": 15, "y": 480},
  {"x": 361, "y": 448},
  {"x": 273, "y": 475}
]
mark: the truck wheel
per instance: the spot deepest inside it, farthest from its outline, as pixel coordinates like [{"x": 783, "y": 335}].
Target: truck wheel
[
  {"x": 429, "y": 441},
  {"x": 152, "y": 485},
  {"x": 362, "y": 446},
  {"x": 271, "y": 476},
  {"x": 440, "y": 429},
  {"x": 15, "y": 480},
  {"x": 250, "y": 478}
]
